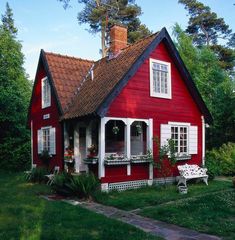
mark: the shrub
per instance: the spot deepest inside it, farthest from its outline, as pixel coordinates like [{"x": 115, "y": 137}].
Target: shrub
[
  {"x": 81, "y": 186},
  {"x": 15, "y": 155},
  {"x": 221, "y": 161},
  {"x": 60, "y": 184},
  {"x": 38, "y": 174},
  {"x": 233, "y": 181}
]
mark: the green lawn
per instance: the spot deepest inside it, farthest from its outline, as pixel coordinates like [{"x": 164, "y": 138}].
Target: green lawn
[
  {"x": 209, "y": 209},
  {"x": 149, "y": 196},
  {"x": 24, "y": 215}
]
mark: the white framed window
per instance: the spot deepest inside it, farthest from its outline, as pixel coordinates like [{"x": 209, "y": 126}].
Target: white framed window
[
  {"x": 46, "y": 93},
  {"x": 179, "y": 134},
  {"x": 46, "y": 140},
  {"x": 160, "y": 79},
  {"x": 184, "y": 136}
]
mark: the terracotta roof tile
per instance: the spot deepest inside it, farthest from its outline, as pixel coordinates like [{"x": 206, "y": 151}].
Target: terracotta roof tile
[
  {"x": 107, "y": 74},
  {"x": 67, "y": 73}
]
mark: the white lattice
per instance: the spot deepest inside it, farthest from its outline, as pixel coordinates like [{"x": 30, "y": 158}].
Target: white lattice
[
  {"x": 167, "y": 180},
  {"x": 122, "y": 186}
]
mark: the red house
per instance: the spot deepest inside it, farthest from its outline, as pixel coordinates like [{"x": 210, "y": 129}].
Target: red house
[{"x": 113, "y": 107}]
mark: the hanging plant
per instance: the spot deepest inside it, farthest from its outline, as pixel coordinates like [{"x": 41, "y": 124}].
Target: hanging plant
[
  {"x": 115, "y": 130},
  {"x": 138, "y": 128}
]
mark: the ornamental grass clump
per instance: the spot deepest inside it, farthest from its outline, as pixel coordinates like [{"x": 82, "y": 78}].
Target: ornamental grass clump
[
  {"x": 38, "y": 175},
  {"x": 81, "y": 186}
]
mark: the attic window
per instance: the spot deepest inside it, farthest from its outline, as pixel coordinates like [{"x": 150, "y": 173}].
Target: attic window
[
  {"x": 46, "y": 93},
  {"x": 160, "y": 79}
]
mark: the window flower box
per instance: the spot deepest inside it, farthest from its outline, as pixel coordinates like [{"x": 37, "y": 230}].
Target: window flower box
[
  {"x": 183, "y": 157},
  {"x": 116, "y": 161},
  {"x": 141, "y": 159},
  {"x": 93, "y": 160}
]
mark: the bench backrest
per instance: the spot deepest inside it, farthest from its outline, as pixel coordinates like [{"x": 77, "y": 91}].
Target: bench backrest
[{"x": 191, "y": 170}]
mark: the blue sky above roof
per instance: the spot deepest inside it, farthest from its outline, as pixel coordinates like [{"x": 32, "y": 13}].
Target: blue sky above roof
[{"x": 45, "y": 24}]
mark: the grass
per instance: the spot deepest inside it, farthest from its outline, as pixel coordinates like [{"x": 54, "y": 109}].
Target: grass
[
  {"x": 213, "y": 214},
  {"x": 149, "y": 196},
  {"x": 24, "y": 215},
  {"x": 209, "y": 209}
]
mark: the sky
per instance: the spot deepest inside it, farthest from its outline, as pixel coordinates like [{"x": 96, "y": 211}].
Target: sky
[{"x": 44, "y": 24}]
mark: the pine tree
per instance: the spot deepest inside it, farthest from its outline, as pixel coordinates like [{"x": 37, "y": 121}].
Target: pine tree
[
  {"x": 15, "y": 91},
  {"x": 214, "y": 84},
  {"x": 8, "y": 21},
  {"x": 101, "y": 14},
  {"x": 207, "y": 28}
]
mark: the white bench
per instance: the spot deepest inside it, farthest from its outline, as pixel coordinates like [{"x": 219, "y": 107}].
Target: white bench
[{"x": 190, "y": 171}]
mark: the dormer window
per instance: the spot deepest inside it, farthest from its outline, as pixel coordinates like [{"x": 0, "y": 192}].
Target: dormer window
[
  {"x": 46, "y": 93},
  {"x": 160, "y": 79}
]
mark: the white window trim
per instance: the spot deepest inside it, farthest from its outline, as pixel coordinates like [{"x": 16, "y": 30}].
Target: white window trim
[
  {"x": 160, "y": 95},
  {"x": 48, "y": 104},
  {"x": 40, "y": 141},
  {"x": 179, "y": 154}
]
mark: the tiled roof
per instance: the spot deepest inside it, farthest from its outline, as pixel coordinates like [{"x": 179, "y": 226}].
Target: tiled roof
[
  {"x": 107, "y": 73},
  {"x": 67, "y": 73}
]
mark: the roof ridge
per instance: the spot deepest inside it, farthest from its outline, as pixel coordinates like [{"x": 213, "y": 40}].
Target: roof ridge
[
  {"x": 140, "y": 40},
  {"x": 66, "y": 56}
]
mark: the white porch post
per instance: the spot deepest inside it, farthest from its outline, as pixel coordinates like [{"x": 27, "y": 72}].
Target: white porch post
[
  {"x": 31, "y": 125},
  {"x": 203, "y": 140},
  {"x": 76, "y": 147},
  {"x": 150, "y": 147},
  {"x": 88, "y": 137},
  {"x": 66, "y": 136},
  {"x": 102, "y": 147},
  {"x": 128, "y": 144}
]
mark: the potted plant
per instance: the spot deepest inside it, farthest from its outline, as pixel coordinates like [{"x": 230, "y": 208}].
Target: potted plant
[
  {"x": 115, "y": 130},
  {"x": 69, "y": 159},
  {"x": 92, "y": 151},
  {"x": 138, "y": 128}
]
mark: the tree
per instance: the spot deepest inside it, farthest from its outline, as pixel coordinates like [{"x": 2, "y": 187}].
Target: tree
[
  {"x": 207, "y": 28},
  {"x": 8, "y": 21},
  {"x": 215, "y": 85},
  {"x": 101, "y": 14},
  {"x": 15, "y": 92}
]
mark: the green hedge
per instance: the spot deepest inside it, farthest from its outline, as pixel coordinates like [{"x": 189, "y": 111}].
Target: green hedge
[{"x": 221, "y": 161}]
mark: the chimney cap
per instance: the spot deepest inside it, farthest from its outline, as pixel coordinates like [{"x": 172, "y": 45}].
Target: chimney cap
[{"x": 118, "y": 25}]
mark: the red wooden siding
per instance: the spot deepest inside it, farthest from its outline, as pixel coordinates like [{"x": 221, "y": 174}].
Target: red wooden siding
[
  {"x": 119, "y": 173},
  {"x": 134, "y": 101},
  {"x": 36, "y": 116}
]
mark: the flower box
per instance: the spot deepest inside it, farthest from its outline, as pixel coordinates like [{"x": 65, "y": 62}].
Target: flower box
[
  {"x": 116, "y": 161},
  {"x": 90, "y": 160},
  {"x": 140, "y": 159}
]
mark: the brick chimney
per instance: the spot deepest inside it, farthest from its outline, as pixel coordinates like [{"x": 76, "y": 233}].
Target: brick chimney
[{"x": 118, "y": 39}]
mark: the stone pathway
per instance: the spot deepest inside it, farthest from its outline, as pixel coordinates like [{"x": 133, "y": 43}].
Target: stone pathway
[{"x": 157, "y": 228}]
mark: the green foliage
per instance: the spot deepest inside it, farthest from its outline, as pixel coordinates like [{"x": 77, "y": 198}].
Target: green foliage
[
  {"x": 82, "y": 186},
  {"x": 166, "y": 158},
  {"x": 8, "y": 21},
  {"x": 60, "y": 184},
  {"x": 206, "y": 28},
  {"x": 101, "y": 14},
  {"x": 221, "y": 161},
  {"x": 45, "y": 157},
  {"x": 38, "y": 175},
  {"x": 15, "y": 91},
  {"x": 215, "y": 85}
]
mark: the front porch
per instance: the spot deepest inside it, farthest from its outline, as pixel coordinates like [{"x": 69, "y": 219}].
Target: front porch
[{"x": 115, "y": 149}]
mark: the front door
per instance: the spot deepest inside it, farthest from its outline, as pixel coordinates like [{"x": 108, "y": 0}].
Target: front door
[{"x": 82, "y": 148}]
